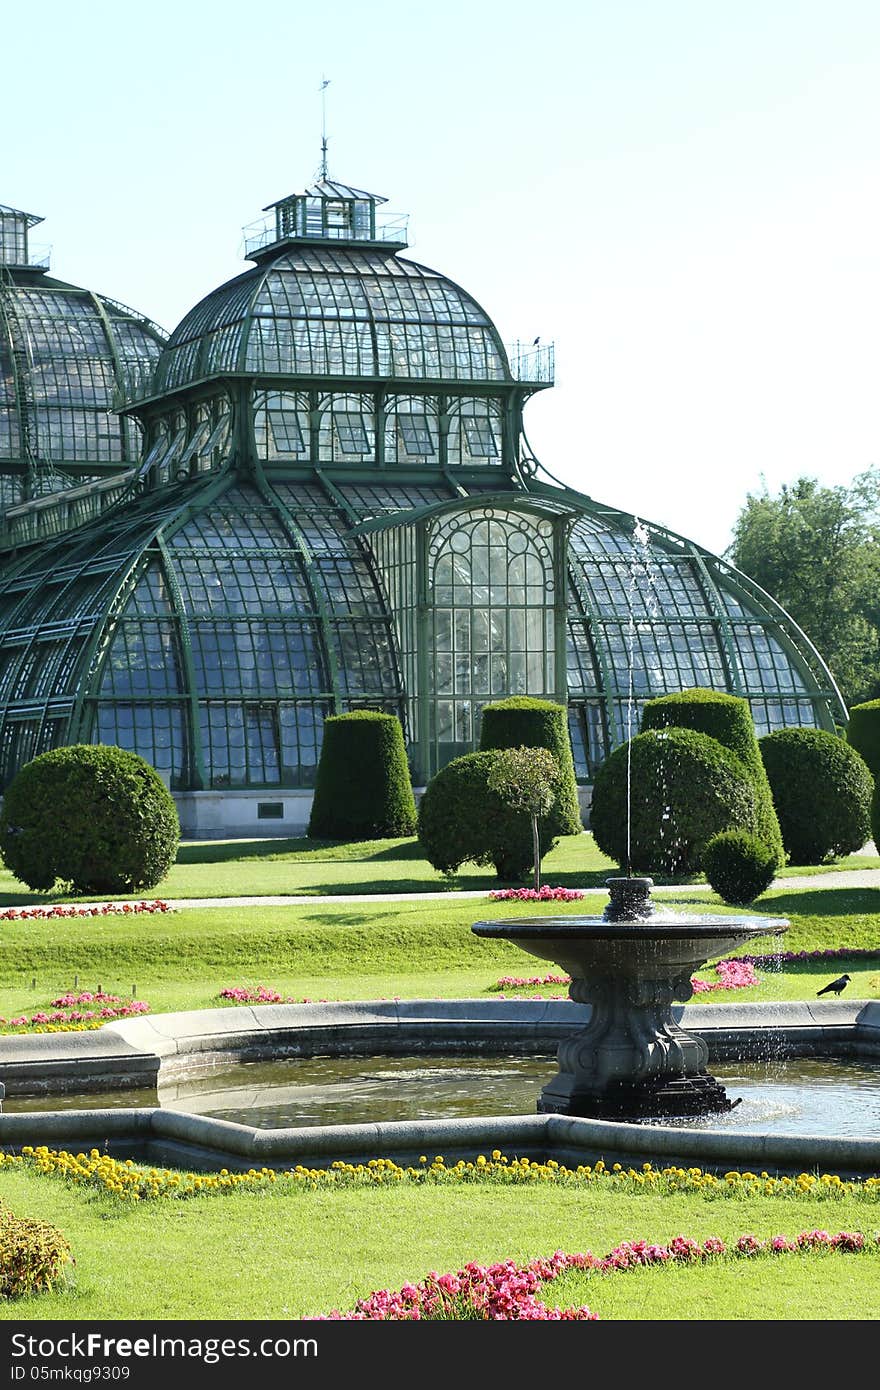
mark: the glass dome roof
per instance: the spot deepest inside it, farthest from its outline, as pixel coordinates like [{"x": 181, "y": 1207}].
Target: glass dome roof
[
  {"x": 334, "y": 311},
  {"x": 64, "y": 351}
]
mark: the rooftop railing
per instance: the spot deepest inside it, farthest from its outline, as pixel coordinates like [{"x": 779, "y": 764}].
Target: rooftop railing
[
  {"x": 532, "y": 361},
  {"x": 259, "y": 235}
]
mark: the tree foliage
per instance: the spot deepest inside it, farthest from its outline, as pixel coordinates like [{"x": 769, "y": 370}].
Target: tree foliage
[
  {"x": 523, "y": 721},
  {"x": 527, "y": 779},
  {"x": 816, "y": 550}
]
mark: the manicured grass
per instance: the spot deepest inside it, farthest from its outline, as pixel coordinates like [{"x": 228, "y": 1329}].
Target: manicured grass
[
  {"x": 181, "y": 960},
  {"x": 294, "y": 1253},
  {"x": 317, "y": 1250},
  {"x": 273, "y": 868}
]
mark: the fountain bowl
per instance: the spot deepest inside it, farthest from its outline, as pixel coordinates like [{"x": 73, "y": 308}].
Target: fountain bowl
[{"x": 630, "y": 964}]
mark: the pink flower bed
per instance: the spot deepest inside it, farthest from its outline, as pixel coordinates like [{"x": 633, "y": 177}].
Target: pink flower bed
[
  {"x": 241, "y": 994},
  {"x": 508, "y": 1291},
  {"x": 41, "y": 914},
  {"x": 732, "y": 974},
  {"x": 261, "y": 994},
  {"x": 544, "y": 894},
  {"x": 484, "y": 1292},
  {"x": 67, "y": 1009},
  {"x": 527, "y": 982}
]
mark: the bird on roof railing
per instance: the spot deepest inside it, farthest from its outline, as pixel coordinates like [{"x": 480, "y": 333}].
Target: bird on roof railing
[{"x": 836, "y": 986}]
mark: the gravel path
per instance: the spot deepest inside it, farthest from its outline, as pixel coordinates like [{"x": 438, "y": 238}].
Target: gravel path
[{"x": 835, "y": 878}]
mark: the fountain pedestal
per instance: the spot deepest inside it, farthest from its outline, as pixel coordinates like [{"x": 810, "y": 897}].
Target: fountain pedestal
[{"x": 632, "y": 1059}]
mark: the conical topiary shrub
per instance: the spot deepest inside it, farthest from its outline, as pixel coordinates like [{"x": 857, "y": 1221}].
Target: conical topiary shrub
[
  {"x": 863, "y": 733},
  {"x": 822, "y": 791},
  {"x": 363, "y": 789},
  {"x": 728, "y": 719},
  {"x": 522, "y": 721}
]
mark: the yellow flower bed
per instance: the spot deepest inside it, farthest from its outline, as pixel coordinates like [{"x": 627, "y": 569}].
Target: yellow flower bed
[{"x": 132, "y": 1182}]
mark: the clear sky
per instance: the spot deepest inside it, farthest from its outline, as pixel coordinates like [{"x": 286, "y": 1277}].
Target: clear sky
[{"x": 681, "y": 194}]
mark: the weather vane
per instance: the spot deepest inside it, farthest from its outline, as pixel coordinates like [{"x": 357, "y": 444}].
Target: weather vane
[{"x": 325, "y": 83}]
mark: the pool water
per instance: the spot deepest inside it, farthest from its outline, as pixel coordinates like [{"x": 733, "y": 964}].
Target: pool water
[{"x": 800, "y": 1096}]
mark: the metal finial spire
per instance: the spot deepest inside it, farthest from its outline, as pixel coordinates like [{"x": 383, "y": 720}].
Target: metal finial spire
[{"x": 325, "y": 83}]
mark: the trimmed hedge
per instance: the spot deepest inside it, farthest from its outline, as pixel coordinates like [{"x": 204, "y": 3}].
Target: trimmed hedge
[
  {"x": 521, "y": 721},
  {"x": 685, "y": 788},
  {"x": 863, "y": 733},
  {"x": 822, "y": 791},
  {"x": 363, "y": 789},
  {"x": 32, "y": 1255},
  {"x": 90, "y": 815},
  {"x": 738, "y": 866},
  {"x": 728, "y": 719},
  {"x": 461, "y": 820}
]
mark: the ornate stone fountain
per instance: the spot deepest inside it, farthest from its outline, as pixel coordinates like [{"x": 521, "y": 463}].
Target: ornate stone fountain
[{"x": 632, "y": 1059}]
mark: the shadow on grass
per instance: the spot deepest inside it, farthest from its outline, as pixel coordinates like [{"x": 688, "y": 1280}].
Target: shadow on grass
[
  {"x": 212, "y": 852},
  {"x": 823, "y": 902},
  {"x": 343, "y": 851},
  {"x": 25, "y": 898},
  {"x": 489, "y": 882}
]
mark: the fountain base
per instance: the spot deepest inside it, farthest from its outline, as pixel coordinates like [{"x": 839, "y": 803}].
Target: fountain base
[{"x": 685, "y": 1095}]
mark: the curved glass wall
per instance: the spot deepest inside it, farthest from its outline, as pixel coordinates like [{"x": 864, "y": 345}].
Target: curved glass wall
[
  {"x": 213, "y": 631},
  {"x": 63, "y": 354},
  {"x": 652, "y": 617}
]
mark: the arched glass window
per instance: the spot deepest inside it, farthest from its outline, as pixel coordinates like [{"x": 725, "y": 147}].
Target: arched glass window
[{"x": 492, "y": 588}]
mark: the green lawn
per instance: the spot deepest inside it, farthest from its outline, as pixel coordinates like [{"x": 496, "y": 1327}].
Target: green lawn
[
  {"x": 280, "y": 1254},
  {"x": 373, "y": 950},
  {"x": 272, "y": 868}
]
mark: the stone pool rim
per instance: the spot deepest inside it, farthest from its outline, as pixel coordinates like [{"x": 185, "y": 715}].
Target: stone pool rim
[{"x": 148, "y": 1050}]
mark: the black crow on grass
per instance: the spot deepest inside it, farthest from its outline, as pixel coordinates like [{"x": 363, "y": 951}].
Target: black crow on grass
[{"x": 836, "y": 987}]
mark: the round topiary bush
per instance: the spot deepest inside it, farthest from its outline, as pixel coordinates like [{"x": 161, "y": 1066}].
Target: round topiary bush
[
  {"x": 363, "y": 789},
  {"x": 685, "y": 788},
  {"x": 521, "y": 721},
  {"x": 822, "y": 790},
  {"x": 90, "y": 815},
  {"x": 738, "y": 866},
  {"x": 461, "y": 820},
  {"x": 727, "y": 718},
  {"x": 863, "y": 733}
]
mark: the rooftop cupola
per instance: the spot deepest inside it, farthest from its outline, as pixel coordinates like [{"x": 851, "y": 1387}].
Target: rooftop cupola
[
  {"x": 327, "y": 211},
  {"x": 14, "y": 250}
]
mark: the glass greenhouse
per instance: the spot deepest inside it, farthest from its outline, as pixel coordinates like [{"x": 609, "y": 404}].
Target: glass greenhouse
[
  {"x": 334, "y": 507},
  {"x": 64, "y": 353}
]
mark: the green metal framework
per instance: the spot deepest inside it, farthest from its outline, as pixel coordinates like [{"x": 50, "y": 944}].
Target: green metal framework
[
  {"x": 335, "y": 509},
  {"x": 64, "y": 353}
]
